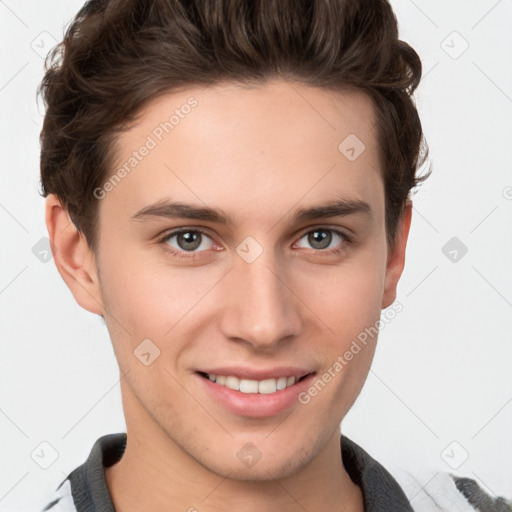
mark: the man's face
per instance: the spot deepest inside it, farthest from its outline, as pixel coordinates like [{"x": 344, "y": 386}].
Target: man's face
[{"x": 264, "y": 295}]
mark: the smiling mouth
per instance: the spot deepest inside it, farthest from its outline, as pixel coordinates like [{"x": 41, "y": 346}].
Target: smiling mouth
[{"x": 249, "y": 386}]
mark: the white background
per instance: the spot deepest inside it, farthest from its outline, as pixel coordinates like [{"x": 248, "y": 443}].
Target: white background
[{"x": 442, "y": 372}]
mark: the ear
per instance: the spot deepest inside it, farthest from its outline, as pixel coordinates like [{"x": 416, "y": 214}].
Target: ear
[
  {"x": 396, "y": 257},
  {"x": 74, "y": 259}
]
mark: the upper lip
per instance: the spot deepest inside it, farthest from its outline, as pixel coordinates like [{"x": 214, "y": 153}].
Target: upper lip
[{"x": 258, "y": 374}]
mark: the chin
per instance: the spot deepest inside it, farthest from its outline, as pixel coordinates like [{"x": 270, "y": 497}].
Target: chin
[
  {"x": 261, "y": 471},
  {"x": 249, "y": 463}
]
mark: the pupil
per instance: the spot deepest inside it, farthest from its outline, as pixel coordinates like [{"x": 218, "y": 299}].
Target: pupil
[
  {"x": 321, "y": 238},
  {"x": 189, "y": 240}
]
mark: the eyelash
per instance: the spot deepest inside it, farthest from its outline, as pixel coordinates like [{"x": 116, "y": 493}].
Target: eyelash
[{"x": 194, "y": 255}]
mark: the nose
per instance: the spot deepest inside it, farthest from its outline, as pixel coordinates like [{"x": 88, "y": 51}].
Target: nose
[{"x": 261, "y": 308}]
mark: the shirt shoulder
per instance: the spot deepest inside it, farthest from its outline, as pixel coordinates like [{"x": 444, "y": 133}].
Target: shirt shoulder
[
  {"x": 85, "y": 488},
  {"x": 439, "y": 491},
  {"x": 422, "y": 491},
  {"x": 62, "y": 501}
]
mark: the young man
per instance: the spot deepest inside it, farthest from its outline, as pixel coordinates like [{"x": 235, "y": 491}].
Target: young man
[{"x": 228, "y": 186}]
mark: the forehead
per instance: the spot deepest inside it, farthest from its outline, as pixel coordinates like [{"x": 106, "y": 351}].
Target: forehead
[{"x": 253, "y": 148}]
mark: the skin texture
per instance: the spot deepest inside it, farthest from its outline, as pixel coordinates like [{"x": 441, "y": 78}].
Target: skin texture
[{"x": 257, "y": 153}]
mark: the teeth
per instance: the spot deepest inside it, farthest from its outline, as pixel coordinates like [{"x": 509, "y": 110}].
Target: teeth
[
  {"x": 248, "y": 386},
  {"x": 232, "y": 383},
  {"x": 281, "y": 383},
  {"x": 266, "y": 386}
]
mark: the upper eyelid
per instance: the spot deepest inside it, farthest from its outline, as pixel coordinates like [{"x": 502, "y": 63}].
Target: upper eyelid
[
  {"x": 166, "y": 237},
  {"x": 177, "y": 231},
  {"x": 338, "y": 231},
  {"x": 347, "y": 238}
]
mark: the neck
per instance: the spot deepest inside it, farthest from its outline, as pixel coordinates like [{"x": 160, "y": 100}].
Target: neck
[{"x": 155, "y": 474}]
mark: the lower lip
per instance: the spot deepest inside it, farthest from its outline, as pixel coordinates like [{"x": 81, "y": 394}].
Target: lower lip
[{"x": 255, "y": 405}]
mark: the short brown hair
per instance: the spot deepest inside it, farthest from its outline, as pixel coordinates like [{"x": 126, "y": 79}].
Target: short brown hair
[{"x": 117, "y": 55}]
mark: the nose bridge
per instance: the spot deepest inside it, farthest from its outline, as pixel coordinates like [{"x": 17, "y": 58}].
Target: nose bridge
[{"x": 261, "y": 309}]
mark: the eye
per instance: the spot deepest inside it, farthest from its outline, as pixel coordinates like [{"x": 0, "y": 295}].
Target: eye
[
  {"x": 188, "y": 240},
  {"x": 189, "y": 243},
  {"x": 322, "y": 238}
]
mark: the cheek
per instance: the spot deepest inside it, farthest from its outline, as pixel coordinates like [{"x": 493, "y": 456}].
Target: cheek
[
  {"x": 349, "y": 313},
  {"x": 347, "y": 302},
  {"x": 148, "y": 297},
  {"x": 346, "y": 298}
]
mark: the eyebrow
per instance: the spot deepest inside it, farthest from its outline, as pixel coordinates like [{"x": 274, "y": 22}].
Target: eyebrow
[{"x": 177, "y": 210}]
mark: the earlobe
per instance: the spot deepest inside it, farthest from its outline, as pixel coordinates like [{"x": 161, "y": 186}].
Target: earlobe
[
  {"x": 74, "y": 259},
  {"x": 396, "y": 257}
]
